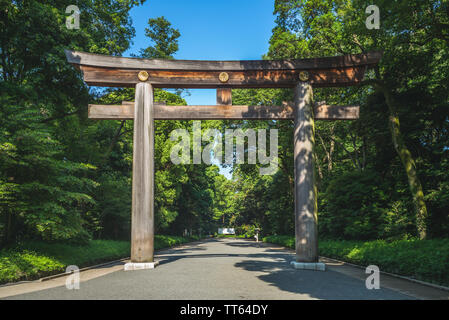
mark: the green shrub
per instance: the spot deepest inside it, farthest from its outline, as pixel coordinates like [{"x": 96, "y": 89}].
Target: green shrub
[
  {"x": 426, "y": 260},
  {"x": 246, "y": 229},
  {"x": 240, "y": 236},
  {"x": 33, "y": 260},
  {"x": 26, "y": 265},
  {"x": 349, "y": 212},
  {"x": 286, "y": 241}
]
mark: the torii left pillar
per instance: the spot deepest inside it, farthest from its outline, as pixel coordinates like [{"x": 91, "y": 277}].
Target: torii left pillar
[
  {"x": 142, "y": 217},
  {"x": 306, "y": 232}
]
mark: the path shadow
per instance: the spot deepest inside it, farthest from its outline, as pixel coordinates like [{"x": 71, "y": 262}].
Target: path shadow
[
  {"x": 169, "y": 258},
  {"x": 244, "y": 244},
  {"x": 179, "y": 251},
  {"x": 109, "y": 265},
  {"x": 316, "y": 284}
]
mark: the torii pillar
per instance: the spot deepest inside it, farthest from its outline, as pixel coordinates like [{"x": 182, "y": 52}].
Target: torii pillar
[
  {"x": 142, "y": 216},
  {"x": 306, "y": 232}
]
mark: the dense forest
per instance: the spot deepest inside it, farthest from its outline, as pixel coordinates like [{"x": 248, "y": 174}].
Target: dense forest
[{"x": 66, "y": 178}]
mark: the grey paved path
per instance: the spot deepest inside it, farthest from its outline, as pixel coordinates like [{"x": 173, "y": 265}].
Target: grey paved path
[{"x": 222, "y": 269}]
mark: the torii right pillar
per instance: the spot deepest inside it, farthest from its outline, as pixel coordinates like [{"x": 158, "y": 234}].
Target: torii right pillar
[{"x": 305, "y": 190}]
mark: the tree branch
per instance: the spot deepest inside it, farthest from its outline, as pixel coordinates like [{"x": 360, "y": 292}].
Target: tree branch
[{"x": 60, "y": 116}]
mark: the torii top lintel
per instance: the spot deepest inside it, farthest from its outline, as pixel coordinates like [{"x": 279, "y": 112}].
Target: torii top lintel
[{"x": 113, "y": 71}]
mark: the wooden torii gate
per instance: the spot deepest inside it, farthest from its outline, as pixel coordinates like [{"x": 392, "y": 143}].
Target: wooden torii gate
[{"x": 146, "y": 74}]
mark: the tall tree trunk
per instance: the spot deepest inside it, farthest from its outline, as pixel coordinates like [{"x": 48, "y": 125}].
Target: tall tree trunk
[
  {"x": 409, "y": 166},
  {"x": 331, "y": 149},
  {"x": 8, "y": 227},
  {"x": 318, "y": 167}
]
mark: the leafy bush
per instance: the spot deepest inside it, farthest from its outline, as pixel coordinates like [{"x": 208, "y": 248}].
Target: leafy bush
[
  {"x": 33, "y": 260},
  {"x": 111, "y": 218},
  {"x": 426, "y": 260},
  {"x": 286, "y": 241},
  {"x": 356, "y": 206},
  {"x": 26, "y": 265},
  {"x": 162, "y": 241},
  {"x": 241, "y": 236},
  {"x": 246, "y": 229}
]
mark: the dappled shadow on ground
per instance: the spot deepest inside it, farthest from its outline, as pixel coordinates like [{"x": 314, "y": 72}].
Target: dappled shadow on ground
[
  {"x": 252, "y": 244},
  {"x": 109, "y": 265},
  {"x": 172, "y": 257},
  {"x": 271, "y": 264},
  {"x": 315, "y": 284},
  {"x": 218, "y": 270},
  {"x": 277, "y": 250},
  {"x": 179, "y": 250},
  {"x": 174, "y": 254},
  {"x": 186, "y": 247}
]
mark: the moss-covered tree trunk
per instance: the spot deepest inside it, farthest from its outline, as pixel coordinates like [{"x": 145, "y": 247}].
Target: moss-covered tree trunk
[{"x": 409, "y": 166}]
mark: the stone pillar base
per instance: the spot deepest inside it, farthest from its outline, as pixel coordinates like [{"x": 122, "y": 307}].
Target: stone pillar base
[
  {"x": 140, "y": 265},
  {"x": 317, "y": 266}
]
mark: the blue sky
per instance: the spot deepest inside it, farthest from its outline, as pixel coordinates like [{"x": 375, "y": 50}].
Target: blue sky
[{"x": 210, "y": 30}]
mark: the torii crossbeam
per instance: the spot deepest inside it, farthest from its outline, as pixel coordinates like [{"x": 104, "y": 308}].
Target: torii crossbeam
[{"x": 146, "y": 74}]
